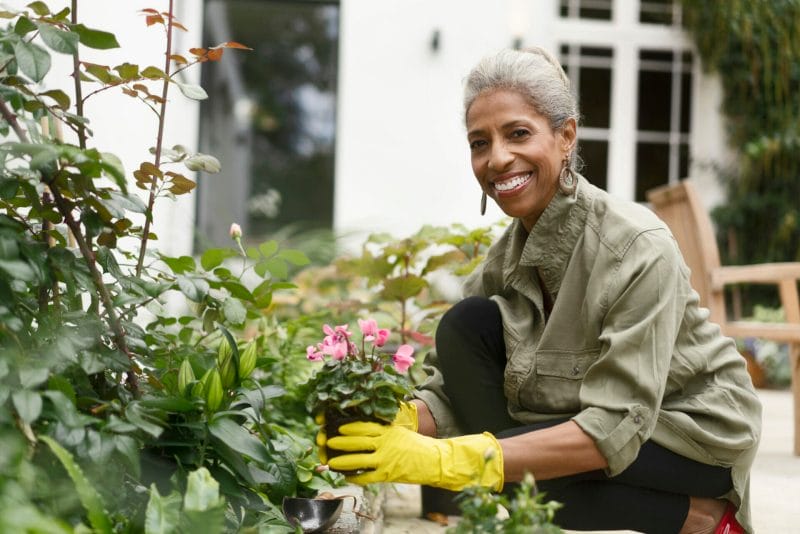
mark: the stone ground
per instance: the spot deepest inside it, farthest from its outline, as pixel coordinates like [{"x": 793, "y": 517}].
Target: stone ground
[{"x": 775, "y": 486}]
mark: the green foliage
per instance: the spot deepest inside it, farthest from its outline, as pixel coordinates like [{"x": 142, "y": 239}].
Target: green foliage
[
  {"x": 754, "y": 48},
  {"x": 527, "y": 512},
  {"x": 93, "y": 362}
]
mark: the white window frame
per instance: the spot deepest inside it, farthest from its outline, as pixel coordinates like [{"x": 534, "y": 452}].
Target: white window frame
[{"x": 626, "y": 36}]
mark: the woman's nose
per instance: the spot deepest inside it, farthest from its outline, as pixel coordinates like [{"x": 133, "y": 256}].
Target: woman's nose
[{"x": 500, "y": 157}]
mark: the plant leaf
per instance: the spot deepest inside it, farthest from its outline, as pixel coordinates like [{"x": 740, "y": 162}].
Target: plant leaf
[
  {"x": 32, "y": 59},
  {"x": 239, "y": 439},
  {"x": 88, "y": 496},
  {"x": 59, "y": 40},
  {"x": 96, "y": 39},
  {"x": 234, "y": 311},
  {"x": 28, "y": 404},
  {"x": 189, "y": 90},
  {"x": 163, "y": 513}
]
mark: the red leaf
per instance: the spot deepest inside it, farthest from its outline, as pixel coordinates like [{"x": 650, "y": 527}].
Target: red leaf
[
  {"x": 154, "y": 19},
  {"x": 149, "y": 10},
  {"x": 179, "y": 26},
  {"x": 130, "y": 92},
  {"x": 198, "y": 51},
  {"x": 234, "y": 44},
  {"x": 177, "y": 58},
  {"x": 215, "y": 54}
]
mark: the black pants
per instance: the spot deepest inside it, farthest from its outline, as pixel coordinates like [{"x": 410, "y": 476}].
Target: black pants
[{"x": 651, "y": 495}]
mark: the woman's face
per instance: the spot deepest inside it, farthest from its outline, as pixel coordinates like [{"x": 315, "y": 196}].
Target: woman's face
[{"x": 516, "y": 157}]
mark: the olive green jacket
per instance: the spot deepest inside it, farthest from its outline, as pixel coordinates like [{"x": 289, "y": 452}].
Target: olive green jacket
[{"x": 626, "y": 351}]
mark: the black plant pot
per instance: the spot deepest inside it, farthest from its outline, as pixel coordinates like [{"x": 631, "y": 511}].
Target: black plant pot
[{"x": 439, "y": 501}]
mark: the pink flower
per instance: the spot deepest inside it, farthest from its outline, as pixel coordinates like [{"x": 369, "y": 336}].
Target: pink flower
[
  {"x": 235, "y": 231},
  {"x": 402, "y": 359},
  {"x": 313, "y": 354},
  {"x": 381, "y": 337},
  {"x": 369, "y": 328},
  {"x": 336, "y": 350}
]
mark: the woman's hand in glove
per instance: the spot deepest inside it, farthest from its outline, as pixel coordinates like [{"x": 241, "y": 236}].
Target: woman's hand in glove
[{"x": 393, "y": 453}]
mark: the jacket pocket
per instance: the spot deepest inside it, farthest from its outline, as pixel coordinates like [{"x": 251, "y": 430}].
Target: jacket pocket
[{"x": 554, "y": 384}]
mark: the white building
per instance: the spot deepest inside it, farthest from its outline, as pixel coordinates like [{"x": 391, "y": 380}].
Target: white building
[{"x": 401, "y": 160}]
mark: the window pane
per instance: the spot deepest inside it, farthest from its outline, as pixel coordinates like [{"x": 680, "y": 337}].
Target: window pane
[
  {"x": 595, "y": 96},
  {"x": 683, "y": 164},
  {"x": 595, "y": 162},
  {"x": 656, "y": 12},
  {"x": 655, "y": 100},
  {"x": 271, "y": 115},
  {"x": 652, "y": 167},
  {"x": 586, "y": 9},
  {"x": 686, "y": 101}
]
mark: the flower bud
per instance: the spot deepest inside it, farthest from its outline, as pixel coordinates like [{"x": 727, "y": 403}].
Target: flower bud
[
  {"x": 248, "y": 360},
  {"x": 185, "y": 376},
  {"x": 225, "y": 363},
  {"x": 214, "y": 392},
  {"x": 200, "y": 387},
  {"x": 235, "y": 231}
]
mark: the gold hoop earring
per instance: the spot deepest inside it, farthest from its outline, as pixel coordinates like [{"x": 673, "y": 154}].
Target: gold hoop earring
[
  {"x": 567, "y": 179},
  {"x": 483, "y": 203}
]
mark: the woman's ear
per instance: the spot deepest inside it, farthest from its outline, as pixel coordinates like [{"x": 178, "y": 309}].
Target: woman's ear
[{"x": 569, "y": 134}]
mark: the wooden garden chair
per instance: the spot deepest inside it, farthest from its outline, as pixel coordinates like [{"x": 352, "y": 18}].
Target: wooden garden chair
[{"x": 680, "y": 207}]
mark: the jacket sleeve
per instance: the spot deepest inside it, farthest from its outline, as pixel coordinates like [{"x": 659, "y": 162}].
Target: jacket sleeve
[{"x": 622, "y": 390}]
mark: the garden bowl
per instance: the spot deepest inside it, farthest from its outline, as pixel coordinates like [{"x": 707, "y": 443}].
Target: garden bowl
[{"x": 312, "y": 515}]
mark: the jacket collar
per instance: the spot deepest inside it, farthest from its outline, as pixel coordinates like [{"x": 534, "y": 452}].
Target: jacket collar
[{"x": 552, "y": 239}]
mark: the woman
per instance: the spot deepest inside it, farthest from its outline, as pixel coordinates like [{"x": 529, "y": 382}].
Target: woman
[{"x": 580, "y": 354}]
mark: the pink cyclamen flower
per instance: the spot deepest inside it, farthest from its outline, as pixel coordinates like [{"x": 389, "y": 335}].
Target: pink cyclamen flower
[
  {"x": 369, "y": 328},
  {"x": 313, "y": 354},
  {"x": 402, "y": 359},
  {"x": 336, "y": 350},
  {"x": 381, "y": 337}
]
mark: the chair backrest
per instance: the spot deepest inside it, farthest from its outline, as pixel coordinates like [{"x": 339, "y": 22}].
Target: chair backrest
[{"x": 680, "y": 207}]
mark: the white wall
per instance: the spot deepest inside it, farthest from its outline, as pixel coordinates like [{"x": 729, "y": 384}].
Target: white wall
[
  {"x": 123, "y": 125},
  {"x": 401, "y": 158}
]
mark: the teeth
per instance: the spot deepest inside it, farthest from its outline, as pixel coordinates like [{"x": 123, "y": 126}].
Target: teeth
[{"x": 516, "y": 181}]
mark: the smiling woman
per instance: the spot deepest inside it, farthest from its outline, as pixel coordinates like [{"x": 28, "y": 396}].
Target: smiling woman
[{"x": 580, "y": 353}]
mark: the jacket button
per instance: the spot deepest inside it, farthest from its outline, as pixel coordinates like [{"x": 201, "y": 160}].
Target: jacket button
[
  {"x": 576, "y": 370},
  {"x": 637, "y": 419}
]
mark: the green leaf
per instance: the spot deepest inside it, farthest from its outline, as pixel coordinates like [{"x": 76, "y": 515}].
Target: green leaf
[
  {"x": 137, "y": 415},
  {"x": 234, "y": 311},
  {"x": 163, "y": 513},
  {"x": 203, "y": 162},
  {"x": 32, "y": 59},
  {"x": 189, "y": 90},
  {"x": 194, "y": 288},
  {"x": 127, "y": 71},
  {"x": 40, "y": 8},
  {"x": 60, "y": 97},
  {"x": 17, "y": 269},
  {"x": 88, "y": 496},
  {"x": 268, "y": 248},
  {"x": 239, "y": 439},
  {"x": 97, "y": 39},
  {"x": 153, "y": 73},
  {"x": 295, "y": 257},
  {"x": 24, "y": 26},
  {"x": 276, "y": 267},
  {"x": 28, "y": 404},
  {"x": 215, "y": 256},
  {"x": 203, "y": 508},
  {"x": 403, "y": 287},
  {"x": 59, "y": 40},
  {"x": 180, "y": 265}
]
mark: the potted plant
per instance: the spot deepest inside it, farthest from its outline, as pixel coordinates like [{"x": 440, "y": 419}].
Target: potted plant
[{"x": 357, "y": 381}]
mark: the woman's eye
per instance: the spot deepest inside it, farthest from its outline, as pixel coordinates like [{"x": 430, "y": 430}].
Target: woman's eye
[
  {"x": 478, "y": 143},
  {"x": 520, "y": 132}
]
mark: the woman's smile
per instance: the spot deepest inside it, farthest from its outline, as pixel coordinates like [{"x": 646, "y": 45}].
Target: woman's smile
[{"x": 513, "y": 184}]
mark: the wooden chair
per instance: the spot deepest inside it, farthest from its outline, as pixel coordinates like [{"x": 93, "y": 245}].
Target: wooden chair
[{"x": 680, "y": 207}]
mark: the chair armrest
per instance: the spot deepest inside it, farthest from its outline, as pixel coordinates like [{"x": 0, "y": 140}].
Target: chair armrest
[
  {"x": 763, "y": 273},
  {"x": 779, "y": 332}
]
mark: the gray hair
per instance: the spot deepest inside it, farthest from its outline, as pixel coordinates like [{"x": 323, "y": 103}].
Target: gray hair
[{"x": 536, "y": 75}]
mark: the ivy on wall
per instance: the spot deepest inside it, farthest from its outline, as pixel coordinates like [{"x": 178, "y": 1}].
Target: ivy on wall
[{"x": 755, "y": 48}]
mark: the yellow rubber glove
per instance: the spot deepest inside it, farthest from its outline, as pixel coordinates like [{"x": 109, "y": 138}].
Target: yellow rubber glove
[
  {"x": 400, "y": 455},
  {"x": 406, "y": 417}
]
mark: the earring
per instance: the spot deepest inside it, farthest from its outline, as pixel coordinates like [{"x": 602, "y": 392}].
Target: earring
[
  {"x": 567, "y": 180},
  {"x": 483, "y": 203}
]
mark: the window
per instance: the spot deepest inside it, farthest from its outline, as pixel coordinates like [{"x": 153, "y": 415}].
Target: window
[
  {"x": 589, "y": 70},
  {"x": 270, "y": 118},
  {"x": 663, "y": 111},
  {"x": 664, "y": 12},
  {"x": 587, "y": 9}
]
